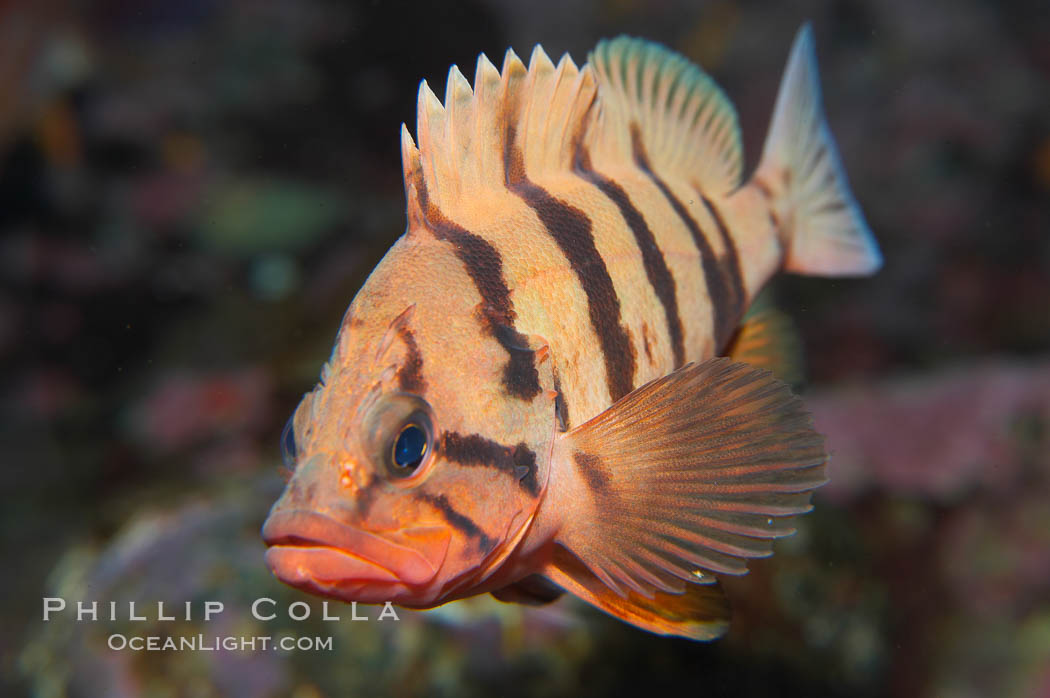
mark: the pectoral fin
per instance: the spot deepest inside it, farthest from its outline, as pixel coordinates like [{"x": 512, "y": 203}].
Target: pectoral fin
[{"x": 689, "y": 475}]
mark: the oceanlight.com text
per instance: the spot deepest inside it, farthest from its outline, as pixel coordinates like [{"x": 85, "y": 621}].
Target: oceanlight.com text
[{"x": 213, "y": 643}]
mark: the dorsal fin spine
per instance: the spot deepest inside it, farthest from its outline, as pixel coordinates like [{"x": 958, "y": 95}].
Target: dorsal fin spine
[
  {"x": 538, "y": 87},
  {"x": 486, "y": 93},
  {"x": 410, "y": 167},
  {"x": 565, "y": 83},
  {"x": 513, "y": 74},
  {"x": 458, "y": 103},
  {"x": 430, "y": 118}
]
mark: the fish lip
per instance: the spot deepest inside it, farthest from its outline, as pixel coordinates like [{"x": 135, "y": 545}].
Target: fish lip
[
  {"x": 315, "y": 551},
  {"x": 329, "y": 572}
]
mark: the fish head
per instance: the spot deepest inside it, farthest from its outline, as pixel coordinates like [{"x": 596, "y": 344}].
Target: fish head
[{"x": 413, "y": 475}]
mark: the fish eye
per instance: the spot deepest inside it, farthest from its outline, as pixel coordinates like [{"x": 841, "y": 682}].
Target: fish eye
[
  {"x": 288, "y": 451},
  {"x": 409, "y": 449},
  {"x": 398, "y": 438}
]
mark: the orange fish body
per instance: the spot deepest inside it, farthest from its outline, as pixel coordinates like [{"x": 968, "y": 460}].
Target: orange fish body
[{"x": 528, "y": 395}]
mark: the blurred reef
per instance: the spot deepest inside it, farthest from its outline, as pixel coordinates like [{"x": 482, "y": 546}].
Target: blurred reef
[{"x": 191, "y": 193}]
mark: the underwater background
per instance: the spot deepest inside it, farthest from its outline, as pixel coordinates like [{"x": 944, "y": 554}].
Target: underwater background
[{"x": 191, "y": 193}]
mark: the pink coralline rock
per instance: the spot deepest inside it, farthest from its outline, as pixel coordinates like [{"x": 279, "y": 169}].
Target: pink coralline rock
[{"x": 937, "y": 436}]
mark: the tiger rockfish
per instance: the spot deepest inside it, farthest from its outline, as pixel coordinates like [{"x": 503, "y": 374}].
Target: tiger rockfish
[{"x": 549, "y": 383}]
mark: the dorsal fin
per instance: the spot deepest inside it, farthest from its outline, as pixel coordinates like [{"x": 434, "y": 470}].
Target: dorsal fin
[
  {"x": 464, "y": 143},
  {"x": 685, "y": 122}
]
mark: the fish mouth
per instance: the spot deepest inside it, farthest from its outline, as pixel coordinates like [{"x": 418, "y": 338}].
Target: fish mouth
[{"x": 319, "y": 554}]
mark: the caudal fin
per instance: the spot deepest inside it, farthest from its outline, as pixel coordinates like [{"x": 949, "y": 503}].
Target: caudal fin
[{"x": 823, "y": 226}]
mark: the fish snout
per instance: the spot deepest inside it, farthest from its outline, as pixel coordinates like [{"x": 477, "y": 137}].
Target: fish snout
[
  {"x": 324, "y": 481},
  {"x": 319, "y": 554}
]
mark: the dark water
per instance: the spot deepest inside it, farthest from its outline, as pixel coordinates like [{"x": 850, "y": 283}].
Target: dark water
[{"x": 191, "y": 193}]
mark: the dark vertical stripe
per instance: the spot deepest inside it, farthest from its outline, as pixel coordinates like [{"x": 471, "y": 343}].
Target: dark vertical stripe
[
  {"x": 485, "y": 267},
  {"x": 717, "y": 289},
  {"x": 410, "y": 374},
  {"x": 593, "y": 470},
  {"x": 731, "y": 262},
  {"x": 572, "y": 230},
  {"x": 475, "y": 450},
  {"x": 652, "y": 258},
  {"x": 461, "y": 522}
]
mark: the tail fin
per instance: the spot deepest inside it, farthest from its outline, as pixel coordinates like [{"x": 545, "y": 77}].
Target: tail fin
[{"x": 824, "y": 229}]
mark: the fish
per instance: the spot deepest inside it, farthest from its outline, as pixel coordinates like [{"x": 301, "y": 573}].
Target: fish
[{"x": 551, "y": 382}]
